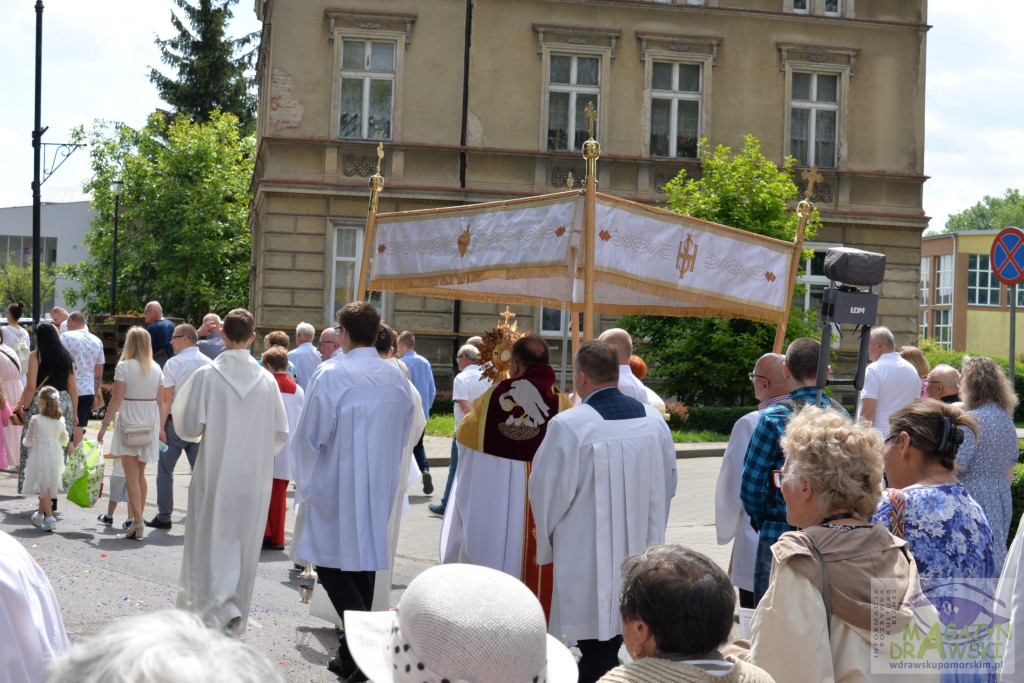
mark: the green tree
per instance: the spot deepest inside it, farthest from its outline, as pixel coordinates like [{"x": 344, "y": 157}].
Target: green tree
[
  {"x": 16, "y": 282},
  {"x": 992, "y": 213},
  {"x": 705, "y": 360},
  {"x": 183, "y": 234},
  {"x": 211, "y": 68}
]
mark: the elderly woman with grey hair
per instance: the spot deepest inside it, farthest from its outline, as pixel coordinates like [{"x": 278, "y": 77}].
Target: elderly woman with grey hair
[
  {"x": 676, "y": 607},
  {"x": 820, "y": 594},
  {"x": 167, "y": 646}
]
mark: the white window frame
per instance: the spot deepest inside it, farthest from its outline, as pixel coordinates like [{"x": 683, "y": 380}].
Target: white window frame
[
  {"x": 601, "y": 90},
  {"x": 926, "y": 277},
  {"x": 376, "y": 298},
  {"x": 922, "y": 328},
  {"x": 814, "y": 106},
  {"x": 400, "y": 39},
  {"x": 945, "y": 272},
  {"x": 366, "y": 75},
  {"x": 815, "y": 59},
  {"x": 806, "y": 9},
  {"x": 981, "y": 274},
  {"x": 943, "y": 331},
  {"x": 703, "y": 96},
  {"x": 820, "y": 8},
  {"x": 1020, "y": 295}
]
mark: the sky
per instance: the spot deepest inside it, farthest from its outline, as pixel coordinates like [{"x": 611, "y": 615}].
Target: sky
[{"x": 96, "y": 60}]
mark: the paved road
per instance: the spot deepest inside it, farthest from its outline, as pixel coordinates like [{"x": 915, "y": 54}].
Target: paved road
[{"x": 100, "y": 576}]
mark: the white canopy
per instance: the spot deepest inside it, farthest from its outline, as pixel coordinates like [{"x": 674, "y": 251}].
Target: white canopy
[{"x": 527, "y": 251}]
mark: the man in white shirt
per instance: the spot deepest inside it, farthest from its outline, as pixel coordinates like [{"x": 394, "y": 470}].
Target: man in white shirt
[
  {"x": 890, "y": 382},
  {"x": 600, "y": 489},
  {"x": 468, "y": 384},
  {"x": 304, "y": 356},
  {"x": 346, "y": 462},
  {"x": 235, "y": 407},
  {"x": 732, "y": 522},
  {"x": 186, "y": 360},
  {"x": 87, "y": 351},
  {"x": 623, "y": 345}
]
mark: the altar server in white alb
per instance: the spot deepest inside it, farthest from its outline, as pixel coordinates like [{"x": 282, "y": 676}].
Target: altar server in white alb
[
  {"x": 602, "y": 482},
  {"x": 346, "y": 462},
  {"x": 235, "y": 407},
  {"x": 623, "y": 345}
]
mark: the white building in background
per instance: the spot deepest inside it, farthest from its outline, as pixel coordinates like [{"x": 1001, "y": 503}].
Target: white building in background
[{"x": 65, "y": 219}]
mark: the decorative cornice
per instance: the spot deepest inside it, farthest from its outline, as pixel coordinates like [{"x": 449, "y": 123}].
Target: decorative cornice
[
  {"x": 679, "y": 42},
  {"x": 820, "y": 54},
  {"x": 370, "y": 21},
  {"x": 576, "y": 35}
]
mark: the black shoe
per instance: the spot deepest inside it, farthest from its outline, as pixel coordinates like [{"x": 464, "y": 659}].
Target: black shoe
[
  {"x": 357, "y": 677},
  {"x": 428, "y": 484},
  {"x": 342, "y": 669},
  {"x": 268, "y": 545},
  {"x": 157, "y": 524},
  {"x": 436, "y": 509}
]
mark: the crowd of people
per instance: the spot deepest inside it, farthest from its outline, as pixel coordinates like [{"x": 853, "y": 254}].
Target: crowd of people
[{"x": 554, "y": 512}]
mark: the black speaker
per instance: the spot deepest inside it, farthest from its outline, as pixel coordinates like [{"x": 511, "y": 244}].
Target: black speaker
[{"x": 854, "y": 267}]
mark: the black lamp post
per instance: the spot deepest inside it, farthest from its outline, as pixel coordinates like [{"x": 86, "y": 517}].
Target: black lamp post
[{"x": 113, "y": 253}]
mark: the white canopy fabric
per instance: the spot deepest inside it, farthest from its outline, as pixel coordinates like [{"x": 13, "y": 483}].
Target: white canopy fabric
[{"x": 527, "y": 251}]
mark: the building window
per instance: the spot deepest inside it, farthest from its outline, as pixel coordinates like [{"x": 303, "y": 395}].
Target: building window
[
  {"x": 815, "y": 281},
  {"x": 369, "y": 61},
  {"x": 922, "y": 330},
  {"x": 800, "y": 6},
  {"x": 833, "y": 8},
  {"x": 367, "y": 89},
  {"x": 982, "y": 286},
  {"x": 943, "y": 281},
  {"x": 675, "y": 109},
  {"x": 814, "y": 118},
  {"x": 926, "y": 273},
  {"x": 943, "y": 329},
  {"x": 1020, "y": 295},
  {"x": 347, "y": 285},
  {"x": 554, "y": 321},
  {"x": 573, "y": 81}
]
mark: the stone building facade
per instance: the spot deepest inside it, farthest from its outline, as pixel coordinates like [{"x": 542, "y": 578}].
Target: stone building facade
[{"x": 478, "y": 100}]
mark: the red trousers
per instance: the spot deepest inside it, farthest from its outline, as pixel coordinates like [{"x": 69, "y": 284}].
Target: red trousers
[{"x": 278, "y": 507}]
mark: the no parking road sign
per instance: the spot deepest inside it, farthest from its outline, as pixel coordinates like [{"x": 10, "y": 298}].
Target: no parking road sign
[{"x": 1008, "y": 256}]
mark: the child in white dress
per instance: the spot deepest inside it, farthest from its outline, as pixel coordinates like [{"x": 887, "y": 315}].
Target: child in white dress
[{"x": 46, "y": 441}]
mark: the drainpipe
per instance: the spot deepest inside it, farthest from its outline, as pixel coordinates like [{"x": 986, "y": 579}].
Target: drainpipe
[{"x": 457, "y": 309}]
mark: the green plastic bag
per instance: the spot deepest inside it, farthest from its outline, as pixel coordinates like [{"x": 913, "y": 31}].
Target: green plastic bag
[{"x": 88, "y": 464}]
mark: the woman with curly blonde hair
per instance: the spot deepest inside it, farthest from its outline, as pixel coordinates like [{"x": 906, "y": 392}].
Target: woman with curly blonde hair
[
  {"x": 820, "y": 593},
  {"x": 985, "y": 463}
]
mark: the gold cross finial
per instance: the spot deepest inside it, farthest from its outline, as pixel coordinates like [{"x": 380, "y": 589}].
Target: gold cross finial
[
  {"x": 380, "y": 155},
  {"x": 812, "y": 176},
  {"x": 591, "y": 114},
  {"x": 507, "y": 314},
  {"x": 570, "y": 182}
]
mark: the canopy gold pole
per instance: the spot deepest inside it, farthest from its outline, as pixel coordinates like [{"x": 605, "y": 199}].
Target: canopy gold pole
[
  {"x": 804, "y": 209},
  {"x": 591, "y": 152},
  {"x": 376, "y": 185}
]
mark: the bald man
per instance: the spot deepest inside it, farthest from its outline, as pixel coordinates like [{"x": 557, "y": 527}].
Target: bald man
[
  {"x": 623, "y": 344},
  {"x": 160, "y": 332},
  {"x": 210, "y": 342},
  {"x": 329, "y": 344},
  {"x": 943, "y": 384},
  {"x": 890, "y": 382},
  {"x": 731, "y": 520}
]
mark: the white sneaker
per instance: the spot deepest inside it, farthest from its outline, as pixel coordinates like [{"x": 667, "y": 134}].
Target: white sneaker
[
  {"x": 49, "y": 524},
  {"x": 37, "y": 519}
]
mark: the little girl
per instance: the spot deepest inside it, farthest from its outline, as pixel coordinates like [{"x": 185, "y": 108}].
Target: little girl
[
  {"x": 46, "y": 440},
  {"x": 5, "y": 417}
]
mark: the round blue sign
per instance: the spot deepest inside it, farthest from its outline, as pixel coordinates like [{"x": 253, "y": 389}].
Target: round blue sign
[{"x": 1007, "y": 256}]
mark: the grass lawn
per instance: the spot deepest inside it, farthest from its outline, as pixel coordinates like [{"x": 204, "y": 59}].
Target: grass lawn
[{"x": 444, "y": 425}]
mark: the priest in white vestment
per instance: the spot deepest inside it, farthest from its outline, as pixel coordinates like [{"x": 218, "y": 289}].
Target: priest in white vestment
[
  {"x": 601, "y": 486},
  {"x": 1009, "y": 602},
  {"x": 500, "y": 436},
  {"x": 347, "y": 459},
  {"x": 31, "y": 629},
  {"x": 235, "y": 407},
  {"x": 628, "y": 383}
]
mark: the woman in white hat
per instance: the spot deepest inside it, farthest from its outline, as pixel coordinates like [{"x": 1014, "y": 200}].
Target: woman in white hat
[{"x": 460, "y": 622}]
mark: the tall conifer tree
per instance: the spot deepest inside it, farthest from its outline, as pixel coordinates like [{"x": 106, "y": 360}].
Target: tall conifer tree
[{"x": 211, "y": 67}]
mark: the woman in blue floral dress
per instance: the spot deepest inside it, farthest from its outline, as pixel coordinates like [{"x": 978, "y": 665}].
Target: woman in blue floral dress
[
  {"x": 946, "y": 529},
  {"x": 986, "y": 463}
]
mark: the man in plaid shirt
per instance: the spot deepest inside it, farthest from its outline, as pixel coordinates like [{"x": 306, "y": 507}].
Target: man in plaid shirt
[{"x": 760, "y": 498}]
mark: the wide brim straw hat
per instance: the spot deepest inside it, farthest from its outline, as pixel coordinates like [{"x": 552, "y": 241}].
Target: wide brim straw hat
[{"x": 460, "y": 622}]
